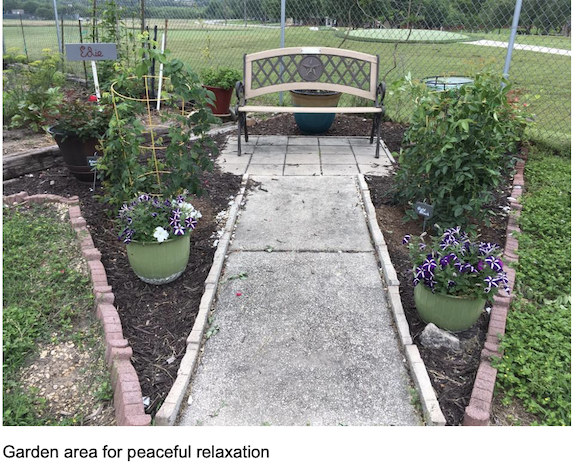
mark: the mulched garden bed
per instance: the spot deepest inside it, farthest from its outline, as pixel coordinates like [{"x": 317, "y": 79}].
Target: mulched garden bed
[
  {"x": 452, "y": 373},
  {"x": 156, "y": 320}
]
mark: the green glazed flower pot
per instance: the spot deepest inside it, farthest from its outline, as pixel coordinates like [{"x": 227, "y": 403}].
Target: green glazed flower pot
[
  {"x": 159, "y": 262},
  {"x": 445, "y": 311}
]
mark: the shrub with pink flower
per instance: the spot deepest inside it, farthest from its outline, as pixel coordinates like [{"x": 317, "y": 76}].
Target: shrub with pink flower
[{"x": 454, "y": 264}]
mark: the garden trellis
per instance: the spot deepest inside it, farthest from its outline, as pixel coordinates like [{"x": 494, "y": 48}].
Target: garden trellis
[{"x": 417, "y": 37}]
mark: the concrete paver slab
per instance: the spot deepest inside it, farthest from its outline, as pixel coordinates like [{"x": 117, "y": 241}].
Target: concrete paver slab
[
  {"x": 273, "y": 140},
  {"x": 302, "y": 140},
  {"x": 339, "y": 170},
  {"x": 301, "y": 149},
  {"x": 304, "y": 213},
  {"x": 337, "y": 159},
  {"x": 265, "y": 170},
  {"x": 326, "y": 141},
  {"x": 303, "y": 159},
  {"x": 375, "y": 169},
  {"x": 309, "y": 340},
  {"x": 302, "y": 170}
]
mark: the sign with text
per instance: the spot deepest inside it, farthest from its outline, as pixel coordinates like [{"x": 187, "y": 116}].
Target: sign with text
[
  {"x": 90, "y": 52},
  {"x": 423, "y": 209}
]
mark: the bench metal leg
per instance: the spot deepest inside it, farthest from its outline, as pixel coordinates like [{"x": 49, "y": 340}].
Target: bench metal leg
[
  {"x": 373, "y": 127},
  {"x": 378, "y": 120},
  {"x": 245, "y": 127},
  {"x": 240, "y": 115}
]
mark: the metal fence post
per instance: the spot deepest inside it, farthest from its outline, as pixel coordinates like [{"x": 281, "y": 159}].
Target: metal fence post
[
  {"x": 282, "y": 39},
  {"x": 515, "y": 20},
  {"x": 60, "y": 47}
]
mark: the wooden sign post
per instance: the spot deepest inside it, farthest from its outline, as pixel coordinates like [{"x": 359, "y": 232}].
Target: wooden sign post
[{"x": 91, "y": 52}]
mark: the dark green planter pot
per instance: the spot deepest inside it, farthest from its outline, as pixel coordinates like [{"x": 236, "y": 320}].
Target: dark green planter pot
[
  {"x": 446, "y": 311},
  {"x": 314, "y": 123},
  {"x": 159, "y": 262},
  {"x": 77, "y": 154}
]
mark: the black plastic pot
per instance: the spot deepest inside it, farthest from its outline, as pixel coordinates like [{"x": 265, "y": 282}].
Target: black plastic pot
[{"x": 79, "y": 155}]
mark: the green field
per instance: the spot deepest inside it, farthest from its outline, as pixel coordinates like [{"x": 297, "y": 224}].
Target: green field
[{"x": 543, "y": 78}]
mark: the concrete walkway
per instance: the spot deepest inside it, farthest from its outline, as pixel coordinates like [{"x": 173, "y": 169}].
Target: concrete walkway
[
  {"x": 527, "y": 48},
  {"x": 304, "y": 334}
]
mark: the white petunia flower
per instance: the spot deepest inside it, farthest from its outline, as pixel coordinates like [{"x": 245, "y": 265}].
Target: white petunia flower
[{"x": 161, "y": 234}]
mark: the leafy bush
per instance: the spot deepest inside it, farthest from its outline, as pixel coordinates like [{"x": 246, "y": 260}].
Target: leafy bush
[
  {"x": 458, "y": 147},
  {"x": 33, "y": 92},
  {"x": 12, "y": 56},
  {"x": 224, "y": 78},
  {"x": 125, "y": 175},
  {"x": 537, "y": 360}
]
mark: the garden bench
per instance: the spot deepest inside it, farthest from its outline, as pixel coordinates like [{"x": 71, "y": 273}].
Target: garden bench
[{"x": 310, "y": 68}]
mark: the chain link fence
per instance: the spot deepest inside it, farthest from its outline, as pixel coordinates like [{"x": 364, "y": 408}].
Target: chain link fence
[{"x": 422, "y": 38}]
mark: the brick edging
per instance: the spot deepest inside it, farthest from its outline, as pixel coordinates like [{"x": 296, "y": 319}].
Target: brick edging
[
  {"x": 168, "y": 412},
  {"x": 128, "y": 404},
  {"x": 430, "y": 405},
  {"x": 478, "y": 411}
]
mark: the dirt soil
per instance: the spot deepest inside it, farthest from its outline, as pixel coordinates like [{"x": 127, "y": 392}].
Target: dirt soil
[
  {"x": 156, "y": 320},
  {"x": 15, "y": 141}
]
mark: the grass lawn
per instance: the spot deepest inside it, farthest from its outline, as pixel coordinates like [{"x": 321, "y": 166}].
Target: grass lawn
[
  {"x": 47, "y": 302},
  {"x": 544, "y": 78},
  {"x": 537, "y": 360}
]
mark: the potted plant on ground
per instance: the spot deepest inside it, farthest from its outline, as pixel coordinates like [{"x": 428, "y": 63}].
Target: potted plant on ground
[
  {"x": 77, "y": 126},
  {"x": 148, "y": 177},
  {"x": 157, "y": 236},
  {"x": 454, "y": 277},
  {"x": 220, "y": 81},
  {"x": 314, "y": 123}
]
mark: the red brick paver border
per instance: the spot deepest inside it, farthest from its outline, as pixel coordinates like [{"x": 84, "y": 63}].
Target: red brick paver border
[
  {"x": 478, "y": 411},
  {"x": 127, "y": 391}
]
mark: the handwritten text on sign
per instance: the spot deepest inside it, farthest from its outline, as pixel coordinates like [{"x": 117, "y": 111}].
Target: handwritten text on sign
[{"x": 90, "y": 52}]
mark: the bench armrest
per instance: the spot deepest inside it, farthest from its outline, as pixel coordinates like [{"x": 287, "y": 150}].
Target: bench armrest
[
  {"x": 380, "y": 94},
  {"x": 240, "y": 94}
]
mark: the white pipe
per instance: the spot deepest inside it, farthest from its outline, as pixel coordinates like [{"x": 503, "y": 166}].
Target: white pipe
[{"x": 159, "y": 94}]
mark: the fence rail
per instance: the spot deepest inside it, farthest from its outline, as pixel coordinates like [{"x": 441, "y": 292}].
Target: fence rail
[{"x": 420, "y": 37}]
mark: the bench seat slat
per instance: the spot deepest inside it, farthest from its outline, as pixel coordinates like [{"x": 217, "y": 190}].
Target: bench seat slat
[{"x": 272, "y": 109}]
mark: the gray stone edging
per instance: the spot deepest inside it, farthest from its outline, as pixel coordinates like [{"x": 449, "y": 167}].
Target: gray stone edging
[
  {"x": 433, "y": 413},
  {"x": 168, "y": 412}
]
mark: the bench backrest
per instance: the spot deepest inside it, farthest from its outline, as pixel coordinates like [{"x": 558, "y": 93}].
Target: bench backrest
[{"x": 321, "y": 68}]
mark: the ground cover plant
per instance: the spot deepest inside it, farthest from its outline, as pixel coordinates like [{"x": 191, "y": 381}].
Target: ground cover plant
[
  {"x": 48, "y": 303},
  {"x": 536, "y": 364}
]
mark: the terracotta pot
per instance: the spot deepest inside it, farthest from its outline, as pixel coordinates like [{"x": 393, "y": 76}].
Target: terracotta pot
[{"x": 221, "y": 106}]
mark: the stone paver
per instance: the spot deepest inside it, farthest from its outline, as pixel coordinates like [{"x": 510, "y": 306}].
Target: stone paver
[{"x": 305, "y": 156}]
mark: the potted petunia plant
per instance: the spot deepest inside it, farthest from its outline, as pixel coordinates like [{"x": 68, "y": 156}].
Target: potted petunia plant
[
  {"x": 157, "y": 236},
  {"x": 453, "y": 277}
]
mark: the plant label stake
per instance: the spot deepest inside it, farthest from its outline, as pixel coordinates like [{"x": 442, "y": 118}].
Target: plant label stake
[
  {"x": 424, "y": 210},
  {"x": 92, "y": 53},
  {"x": 92, "y": 161}
]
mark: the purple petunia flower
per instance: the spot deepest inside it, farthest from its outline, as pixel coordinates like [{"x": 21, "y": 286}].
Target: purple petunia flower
[
  {"x": 180, "y": 199},
  {"x": 429, "y": 265},
  {"x": 174, "y": 221},
  {"x": 154, "y": 214},
  {"x": 490, "y": 283},
  {"x": 461, "y": 267},
  {"x": 144, "y": 198},
  {"x": 179, "y": 230},
  {"x": 190, "y": 223},
  {"x": 177, "y": 213},
  {"x": 494, "y": 263},
  {"x": 487, "y": 248},
  {"x": 480, "y": 265},
  {"x": 406, "y": 239},
  {"x": 421, "y": 246}
]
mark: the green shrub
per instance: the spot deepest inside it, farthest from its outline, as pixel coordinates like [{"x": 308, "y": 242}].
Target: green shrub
[
  {"x": 33, "y": 92},
  {"x": 224, "y": 78},
  {"x": 458, "y": 147}
]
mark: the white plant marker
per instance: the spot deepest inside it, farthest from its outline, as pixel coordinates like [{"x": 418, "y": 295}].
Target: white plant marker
[
  {"x": 161, "y": 73},
  {"x": 95, "y": 74}
]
